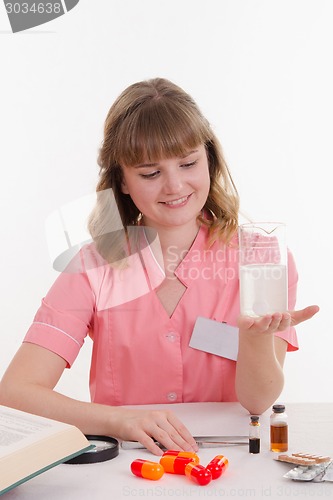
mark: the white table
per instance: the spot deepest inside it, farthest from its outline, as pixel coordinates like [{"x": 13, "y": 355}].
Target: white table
[{"x": 248, "y": 476}]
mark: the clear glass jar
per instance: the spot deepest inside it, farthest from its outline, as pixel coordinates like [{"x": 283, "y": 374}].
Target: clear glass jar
[{"x": 279, "y": 428}]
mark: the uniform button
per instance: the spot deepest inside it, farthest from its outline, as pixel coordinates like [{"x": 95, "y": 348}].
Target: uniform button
[
  {"x": 171, "y": 336},
  {"x": 172, "y": 396}
]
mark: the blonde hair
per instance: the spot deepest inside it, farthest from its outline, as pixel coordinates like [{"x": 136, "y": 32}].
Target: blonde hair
[{"x": 150, "y": 121}]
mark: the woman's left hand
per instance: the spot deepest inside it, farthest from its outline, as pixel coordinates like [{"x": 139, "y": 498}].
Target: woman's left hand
[{"x": 276, "y": 322}]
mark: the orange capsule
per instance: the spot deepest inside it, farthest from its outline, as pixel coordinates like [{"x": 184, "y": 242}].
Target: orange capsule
[
  {"x": 174, "y": 464},
  {"x": 147, "y": 469},
  {"x": 217, "y": 466},
  {"x": 187, "y": 454},
  {"x": 198, "y": 473}
]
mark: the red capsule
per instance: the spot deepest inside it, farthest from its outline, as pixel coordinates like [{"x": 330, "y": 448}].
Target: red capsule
[
  {"x": 147, "y": 469},
  {"x": 198, "y": 473},
  {"x": 174, "y": 464},
  {"x": 217, "y": 466}
]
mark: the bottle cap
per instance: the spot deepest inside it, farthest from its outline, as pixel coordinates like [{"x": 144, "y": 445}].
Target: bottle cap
[
  {"x": 278, "y": 408},
  {"x": 254, "y": 418}
]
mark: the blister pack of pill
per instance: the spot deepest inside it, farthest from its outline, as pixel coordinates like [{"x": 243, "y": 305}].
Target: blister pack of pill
[
  {"x": 328, "y": 474},
  {"x": 309, "y": 467}
]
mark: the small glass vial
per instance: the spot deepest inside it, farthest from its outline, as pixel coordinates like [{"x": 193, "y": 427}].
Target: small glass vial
[
  {"x": 254, "y": 435},
  {"x": 279, "y": 429}
]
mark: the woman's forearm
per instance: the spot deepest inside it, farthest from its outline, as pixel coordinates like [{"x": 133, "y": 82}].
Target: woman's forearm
[
  {"x": 90, "y": 418},
  {"x": 259, "y": 374}
]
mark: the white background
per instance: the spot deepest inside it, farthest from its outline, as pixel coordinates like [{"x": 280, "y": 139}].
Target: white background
[{"x": 261, "y": 71}]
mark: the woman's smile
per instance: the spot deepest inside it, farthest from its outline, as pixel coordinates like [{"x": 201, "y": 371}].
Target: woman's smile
[{"x": 177, "y": 203}]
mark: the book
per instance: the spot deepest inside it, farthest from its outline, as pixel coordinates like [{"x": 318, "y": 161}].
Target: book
[{"x": 30, "y": 445}]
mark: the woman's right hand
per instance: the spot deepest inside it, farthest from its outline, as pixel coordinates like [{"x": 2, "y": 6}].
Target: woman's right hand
[{"x": 148, "y": 426}]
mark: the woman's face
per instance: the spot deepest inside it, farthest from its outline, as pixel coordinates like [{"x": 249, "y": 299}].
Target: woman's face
[{"x": 169, "y": 192}]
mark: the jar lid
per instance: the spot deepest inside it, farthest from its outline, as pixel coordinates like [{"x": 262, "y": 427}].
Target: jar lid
[{"x": 278, "y": 408}]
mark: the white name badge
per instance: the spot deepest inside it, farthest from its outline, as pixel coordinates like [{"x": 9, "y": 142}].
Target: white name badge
[{"x": 216, "y": 338}]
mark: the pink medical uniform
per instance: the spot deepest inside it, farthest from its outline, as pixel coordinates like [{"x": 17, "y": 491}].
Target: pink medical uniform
[{"x": 141, "y": 355}]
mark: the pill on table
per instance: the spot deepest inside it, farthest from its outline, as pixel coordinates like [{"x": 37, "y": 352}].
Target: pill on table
[
  {"x": 198, "y": 473},
  {"x": 174, "y": 464},
  {"x": 217, "y": 466},
  {"x": 178, "y": 453},
  {"x": 147, "y": 469}
]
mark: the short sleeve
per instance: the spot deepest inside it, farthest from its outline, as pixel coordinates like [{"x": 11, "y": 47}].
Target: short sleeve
[
  {"x": 290, "y": 335},
  {"x": 66, "y": 314}
]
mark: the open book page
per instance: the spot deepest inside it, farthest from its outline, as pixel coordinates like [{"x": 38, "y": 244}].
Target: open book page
[
  {"x": 18, "y": 429},
  {"x": 30, "y": 444}
]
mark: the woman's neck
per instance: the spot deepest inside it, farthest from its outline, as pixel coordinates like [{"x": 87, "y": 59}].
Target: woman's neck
[
  {"x": 180, "y": 237},
  {"x": 171, "y": 244}
]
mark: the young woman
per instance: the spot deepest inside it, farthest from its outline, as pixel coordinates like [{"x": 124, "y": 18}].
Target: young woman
[{"x": 138, "y": 290}]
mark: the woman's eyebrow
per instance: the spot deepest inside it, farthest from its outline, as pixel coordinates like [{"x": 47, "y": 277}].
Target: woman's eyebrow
[
  {"x": 155, "y": 164},
  {"x": 145, "y": 165}
]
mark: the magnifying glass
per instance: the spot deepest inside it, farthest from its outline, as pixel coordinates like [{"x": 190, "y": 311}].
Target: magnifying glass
[{"x": 105, "y": 448}]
